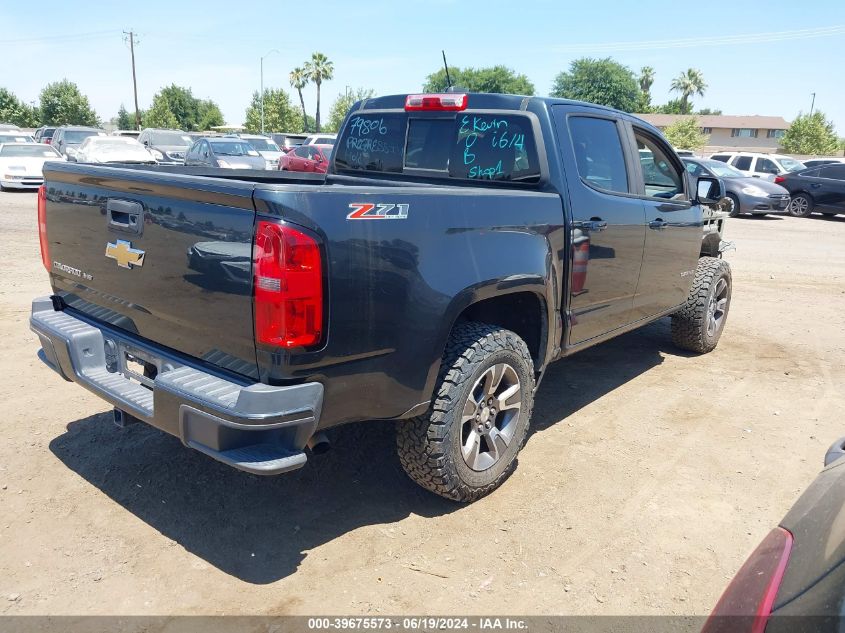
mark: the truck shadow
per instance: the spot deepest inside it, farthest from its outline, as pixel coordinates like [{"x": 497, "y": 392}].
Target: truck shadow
[{"x": 260, "y": 529}]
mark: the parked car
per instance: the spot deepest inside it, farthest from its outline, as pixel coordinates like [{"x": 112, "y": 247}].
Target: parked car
[
  {"x": 168, "y": 147},
  {"x": 313, "y": 158},
  {"x": 320, "y": 139},
  {"x": 820, "y": 189},
  {"x": 71, "y": 136},
  {"x": 44, "y": 135},
  {"x": 130, "y": 133},
  {"x": 795, "y": 579},
  {"x": 287, "y": 141},
  {"x": 765, "y": 166},
  {"x": 21, "y": 164},
  {"x": 818, "y": 162},
  {"x": 744, "y": 194},
  {"x": 224, "y": 151},
  {"x": 427, "y": 279},
  {"x": 111, "y": 149},
  {"x": 266, "y": 147},
  {"x": 15, "y": 137},
  {"x": 9, "y": 127}
]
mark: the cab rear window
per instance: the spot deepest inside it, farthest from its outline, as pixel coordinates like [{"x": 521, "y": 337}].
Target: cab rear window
[{"x": 466, "y": 146}]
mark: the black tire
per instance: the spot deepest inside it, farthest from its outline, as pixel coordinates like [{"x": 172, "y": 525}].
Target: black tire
[
  {"x": 734, "y": 210},
  {"x": 801, "y": 205},
  {"x": 692, "y": 328},
  {"x": 431, "y": 446}
]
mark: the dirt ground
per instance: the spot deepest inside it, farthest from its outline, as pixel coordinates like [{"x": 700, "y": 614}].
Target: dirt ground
[{"x": 648, "y": 478}]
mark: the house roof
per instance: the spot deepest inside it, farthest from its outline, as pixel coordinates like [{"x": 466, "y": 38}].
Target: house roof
[{"x": 720, "y": 121}]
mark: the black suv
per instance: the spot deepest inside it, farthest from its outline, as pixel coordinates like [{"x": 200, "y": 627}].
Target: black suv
[
  {"x": 168, "y": 146},
  {"x": 71, "y": 136}
]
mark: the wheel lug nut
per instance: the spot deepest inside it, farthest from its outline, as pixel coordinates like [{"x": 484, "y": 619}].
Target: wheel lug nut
[{"x": 480, "y": 428}]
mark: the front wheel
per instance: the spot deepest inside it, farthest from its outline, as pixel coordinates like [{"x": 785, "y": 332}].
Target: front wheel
[
  {"x": 467, "y": 444},
  {"x": 698, "y": 325},
  {"x": 801, "y": 205},
  {"x": 733, "y": 205}
]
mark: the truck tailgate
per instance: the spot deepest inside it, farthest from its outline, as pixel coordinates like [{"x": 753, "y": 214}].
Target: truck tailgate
[{"x": 166, "y": 257}]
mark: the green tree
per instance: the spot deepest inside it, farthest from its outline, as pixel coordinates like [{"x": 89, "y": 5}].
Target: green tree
[
  {"x": 689, "y": 83},
  {"x": 646, "y": 79},
  {"x": 675, "y": 106},
  {"x": 342, "y": 105},
  {"x": 810, "y": 134},
  {"x": 494, "y": 79},
  {"x": 209, "y": 115},
  {"x": 279, "y": 114},
  {"x": 298, "y": 80},
  {"x": 182, "y": 103},
  {"x": 602, "y": 81},
  {"x": 160, "y": 114},
  {"x": 319, "y": 69},
  {"x": 124, "y": 121},
  {"x": 704, "y": 111},
  {"x": 685, "y": 133},
  {"x": 15, "y": 111},
  {"x": 63, "y": 104}
]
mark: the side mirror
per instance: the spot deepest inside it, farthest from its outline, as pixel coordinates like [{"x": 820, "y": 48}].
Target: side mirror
[{"x": 709, "y": 190}]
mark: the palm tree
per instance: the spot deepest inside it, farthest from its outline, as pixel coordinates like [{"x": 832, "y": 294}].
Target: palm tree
[
  {"x": 319, "y": 69},
  {"x": 646, "y": 79},
  {"x": 689, "y": 83},
  {"x": 299, "y": 79}
]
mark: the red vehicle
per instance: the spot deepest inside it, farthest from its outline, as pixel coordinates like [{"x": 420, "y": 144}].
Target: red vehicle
[{"x": 313, "y": 158}]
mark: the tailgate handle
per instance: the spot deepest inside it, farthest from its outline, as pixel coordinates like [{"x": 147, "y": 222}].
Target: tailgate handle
[{"x": 125, "y": 216}]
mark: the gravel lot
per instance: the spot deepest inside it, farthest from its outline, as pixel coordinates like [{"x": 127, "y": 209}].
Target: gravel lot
[{"x": 649, "y": 476}]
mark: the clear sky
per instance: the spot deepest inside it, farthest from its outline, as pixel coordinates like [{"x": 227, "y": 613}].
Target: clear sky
[{"x": 755, "y": 56}]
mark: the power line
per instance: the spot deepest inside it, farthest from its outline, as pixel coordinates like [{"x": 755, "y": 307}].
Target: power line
[
  {"x": 692, "y": 42},
  {"x": 58, "y": 38}
]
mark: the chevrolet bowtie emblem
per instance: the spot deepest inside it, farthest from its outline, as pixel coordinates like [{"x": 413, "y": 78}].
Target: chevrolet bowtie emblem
[{"x": 124, "y": 254}]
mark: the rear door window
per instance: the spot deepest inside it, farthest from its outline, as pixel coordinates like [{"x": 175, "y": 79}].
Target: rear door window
[
  {"x": 743, "y": 163},
  {"x": 466, "y": 146},
  {"x": 598, "y": 153},
  {"x": 834, "y": 172}
]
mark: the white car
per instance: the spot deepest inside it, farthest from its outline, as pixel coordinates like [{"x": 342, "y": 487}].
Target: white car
[
  {"x": 21, "y": 164},
  {"x": 111, "y": 149},
  {"x": 266, "y": 147},
  {"x": 765, "y": 166},
  {"x": 320, "y": 139},
  {"x": 8, "y": 136}
]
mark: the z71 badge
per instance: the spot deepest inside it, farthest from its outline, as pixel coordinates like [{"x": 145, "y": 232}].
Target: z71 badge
[{"x": 371, "y": 211}]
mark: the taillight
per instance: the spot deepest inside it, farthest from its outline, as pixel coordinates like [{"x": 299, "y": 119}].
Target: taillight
[
  {"x": 746, "y": 604},
  {"x": 288, "y": 286},
  {"x": 47, "y": 140},
  {"x": 42, "y": 227},
  {"x": 445, "y": 101},
  {"x": 779, "y": 179}
]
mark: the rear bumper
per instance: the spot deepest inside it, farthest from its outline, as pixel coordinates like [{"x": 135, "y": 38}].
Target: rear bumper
[{"x": 257, "y": 428}]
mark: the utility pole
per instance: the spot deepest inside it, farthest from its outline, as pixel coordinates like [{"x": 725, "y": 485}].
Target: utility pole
[
  {"x": 267, "y": 54},
  {"x": 813, "y": 104},
  {"x": 131, "y": 35}
]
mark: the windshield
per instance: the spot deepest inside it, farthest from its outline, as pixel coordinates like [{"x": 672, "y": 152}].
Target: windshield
[
  {"x": 263, "y": 144},
  {"x": 174, "y": 139},
  {"x": 722, "y": 170},
  {"x": 77, "y": 136},
  {"x": 31, "y": 150},
  {"x": 16, "y": 138},
  {"x": 232, "y": 148},
  {"x": 790, "y": 164}
]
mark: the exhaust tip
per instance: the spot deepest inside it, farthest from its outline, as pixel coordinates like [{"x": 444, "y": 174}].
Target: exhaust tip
[{"x": 319, "y": 444}]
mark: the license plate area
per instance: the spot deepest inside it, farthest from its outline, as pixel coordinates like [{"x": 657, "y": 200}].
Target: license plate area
[{"x": 137, "y": 365}]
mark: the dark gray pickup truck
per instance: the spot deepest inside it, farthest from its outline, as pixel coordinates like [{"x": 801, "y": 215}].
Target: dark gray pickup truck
[{"x": 458, "y": 245}]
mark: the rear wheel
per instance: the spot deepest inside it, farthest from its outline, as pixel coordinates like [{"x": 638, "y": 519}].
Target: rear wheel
[
  {"x": 801, "y": 205},
  {"x": 467, "y": 444},
  {"x": 698, "y": 326}
]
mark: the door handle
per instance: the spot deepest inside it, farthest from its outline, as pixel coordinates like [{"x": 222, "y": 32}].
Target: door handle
[
  {"x": 658, "y": 225},
  {"x": 815, "y": 185},
  {"x": 125, "y": 216}
]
